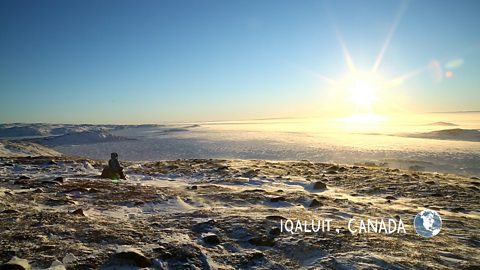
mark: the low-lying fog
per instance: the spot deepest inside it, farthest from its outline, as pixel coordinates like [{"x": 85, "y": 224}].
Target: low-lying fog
[{"x": 432, "y": 142}]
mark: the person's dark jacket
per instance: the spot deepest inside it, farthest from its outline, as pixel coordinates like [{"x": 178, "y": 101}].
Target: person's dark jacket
[{"x": 114, "y": 165}]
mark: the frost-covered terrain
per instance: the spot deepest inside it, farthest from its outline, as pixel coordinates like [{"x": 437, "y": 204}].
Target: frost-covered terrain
[
  {"x": 220, "y": 201},
  {"x": 227, "y": 214}
]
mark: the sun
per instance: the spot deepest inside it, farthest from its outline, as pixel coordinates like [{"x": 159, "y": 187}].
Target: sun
[
  {"x": 363, "y": 95},
  {"x": 361, "y": 89}
]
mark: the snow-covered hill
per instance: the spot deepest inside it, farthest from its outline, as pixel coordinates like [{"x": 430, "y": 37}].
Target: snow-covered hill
[
  {"x": 20, "y": 131},
  {"x": 83, "y": 137},
  {"x": 455, "y": 134},
  {"x": 24, "y": 148},
  {"x": 29, "y": 130}
]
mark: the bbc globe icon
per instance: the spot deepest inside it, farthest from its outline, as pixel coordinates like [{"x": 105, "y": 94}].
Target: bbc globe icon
[{"x": 427, "y": 223}]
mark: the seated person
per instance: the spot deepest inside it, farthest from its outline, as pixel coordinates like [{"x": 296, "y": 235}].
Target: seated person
[{"x": 114, "y": 170}]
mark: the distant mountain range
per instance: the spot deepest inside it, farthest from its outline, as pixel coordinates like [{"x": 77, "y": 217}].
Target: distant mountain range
[
  {"x": 35, "y": 130},
  {"x": 442, "y": 124}
]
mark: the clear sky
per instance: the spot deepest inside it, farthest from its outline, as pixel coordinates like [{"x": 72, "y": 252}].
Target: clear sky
[{"x": 168, "y": 61}]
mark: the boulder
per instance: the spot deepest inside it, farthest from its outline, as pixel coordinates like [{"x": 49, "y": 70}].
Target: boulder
[
  {"x": 334, "y": 168},
  {"x": 319, "y": 185},
  {"x": 249, "y": 174},
  {"x": 57, "y": 265},
  {"x": 274, "y": 217},
  {"x": 110, "y": 174},
  {"x": 128, "y": 256},
  {"x": 69, "y": 258},
  {"x": 15, "y": 263},
  {"x": 59, "y": 179},
  {"x": 277, "y": 199},
  {"x": 274, "y": 231},
  {"x": 52, "y": 162},
  {"x": 78, "y": 212},
  {"x": 211, "y": 239},
  {"x": 10, "y": 211},
  {"x": 204, "y": 227},
  {"x": 315, "y": 203},
  {"x": 262, "y": 241}
]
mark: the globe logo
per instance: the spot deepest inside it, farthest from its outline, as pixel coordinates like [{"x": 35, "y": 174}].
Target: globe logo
[{"x": 427, "y": 223}]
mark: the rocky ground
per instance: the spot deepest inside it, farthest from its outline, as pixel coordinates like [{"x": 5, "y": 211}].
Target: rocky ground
[{"x": 225, "y": 214}]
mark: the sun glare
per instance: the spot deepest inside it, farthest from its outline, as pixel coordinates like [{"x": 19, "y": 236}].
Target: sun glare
[
  {"x": 363, "y": 95},
  {"x": 361, "y": 90}
]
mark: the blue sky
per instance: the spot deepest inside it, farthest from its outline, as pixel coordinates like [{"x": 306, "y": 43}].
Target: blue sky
[{"x": 169, "y": 61}]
